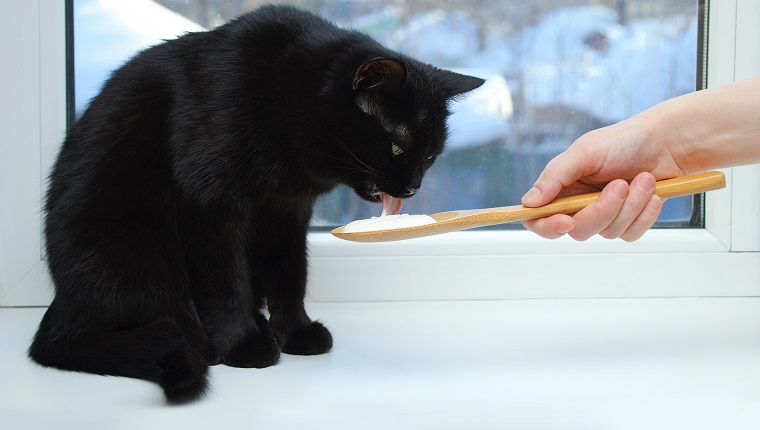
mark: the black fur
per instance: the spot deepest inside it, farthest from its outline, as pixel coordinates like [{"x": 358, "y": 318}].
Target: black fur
[{"x": 180, "y": 202}]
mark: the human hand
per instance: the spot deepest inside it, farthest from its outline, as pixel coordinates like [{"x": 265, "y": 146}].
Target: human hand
[
  {"x": 605, "y": 159},
  {"x": 695, "y": 132},
  {"x": 621, "y": 211}
]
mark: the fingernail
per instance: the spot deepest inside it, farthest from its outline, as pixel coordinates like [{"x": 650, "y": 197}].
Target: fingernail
[
  {"x": 563, "y": 229},
  {"x": 533, "y": 193},
  {"x": 655, "y": 202},
  {"x": 646, "y": 183},
  {"x": 620, "y": 190}
]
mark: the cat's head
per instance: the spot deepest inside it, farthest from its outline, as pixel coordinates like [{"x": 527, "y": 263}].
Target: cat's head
[{"x": 393, "y": 124}]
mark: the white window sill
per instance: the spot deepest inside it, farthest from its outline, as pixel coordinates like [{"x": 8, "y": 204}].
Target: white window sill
[{"x": 570, "y": 364}]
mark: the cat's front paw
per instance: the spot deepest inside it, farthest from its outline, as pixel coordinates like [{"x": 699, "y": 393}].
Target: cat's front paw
[
  {"x": 311, "y": 339},
  {"x": 257, "y": 349}
]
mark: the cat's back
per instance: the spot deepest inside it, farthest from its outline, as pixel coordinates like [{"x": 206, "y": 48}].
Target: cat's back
[
  {"x": 283, "y": 30},
  {"x": 286, "y": 20},
  {"x": 197, "y": 64}
]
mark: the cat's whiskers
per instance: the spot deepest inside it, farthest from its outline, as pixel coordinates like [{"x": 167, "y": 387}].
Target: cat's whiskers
[
  {"x": 348, "y": 165},
  {"x": 367, "y": 167}
]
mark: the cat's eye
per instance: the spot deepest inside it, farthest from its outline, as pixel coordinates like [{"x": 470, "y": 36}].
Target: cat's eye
[{"x": 397, "y": 150}]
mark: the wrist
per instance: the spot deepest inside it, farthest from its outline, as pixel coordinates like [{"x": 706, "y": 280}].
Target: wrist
[{"x": 673, "y": 135}]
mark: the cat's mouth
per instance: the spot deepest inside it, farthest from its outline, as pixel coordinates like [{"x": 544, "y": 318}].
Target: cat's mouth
[{"x": 391, "y": 205}]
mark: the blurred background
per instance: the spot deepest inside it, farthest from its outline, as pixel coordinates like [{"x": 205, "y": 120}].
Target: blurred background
[{"x": 555, "y": 69}]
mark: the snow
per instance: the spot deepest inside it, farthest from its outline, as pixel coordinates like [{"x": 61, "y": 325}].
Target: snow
[
  {"x": 108, "y": 32},
  {"x": 483, "y": 115}
]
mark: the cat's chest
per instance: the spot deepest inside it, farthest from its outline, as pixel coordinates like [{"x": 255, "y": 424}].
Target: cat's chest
[{"x": 288, "y": 184}]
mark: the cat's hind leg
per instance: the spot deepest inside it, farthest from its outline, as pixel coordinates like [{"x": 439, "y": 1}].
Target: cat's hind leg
[
  {"x": 123, "y": 306},
  {"x": 157, "y": 352}
]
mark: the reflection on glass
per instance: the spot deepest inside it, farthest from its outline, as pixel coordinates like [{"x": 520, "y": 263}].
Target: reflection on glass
[{"x": 555, "y": 69}]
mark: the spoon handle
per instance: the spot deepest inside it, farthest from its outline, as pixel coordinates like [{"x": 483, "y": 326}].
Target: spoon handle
[{"x": 676, "y": 187}]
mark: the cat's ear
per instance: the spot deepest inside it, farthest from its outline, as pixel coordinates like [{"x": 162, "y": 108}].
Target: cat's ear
[
  {"x": 455, "y": 84},
  {"x": 382, "y": 74}
]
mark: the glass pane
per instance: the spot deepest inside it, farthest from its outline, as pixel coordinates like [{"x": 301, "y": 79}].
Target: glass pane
[{"x": 554, "y": 68}]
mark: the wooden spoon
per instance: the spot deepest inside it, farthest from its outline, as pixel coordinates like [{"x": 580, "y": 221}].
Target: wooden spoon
[{"x": 472, "y": 218}]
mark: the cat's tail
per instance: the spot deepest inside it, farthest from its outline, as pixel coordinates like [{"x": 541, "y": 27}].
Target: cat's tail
[{"x": 157, "y": 352}]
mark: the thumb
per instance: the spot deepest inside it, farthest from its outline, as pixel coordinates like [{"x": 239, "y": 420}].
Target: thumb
[
  {"x": 559, "y": 173},
  {"x": 542, "y": 193}
]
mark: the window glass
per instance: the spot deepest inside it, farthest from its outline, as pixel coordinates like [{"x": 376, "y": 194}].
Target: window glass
[{"x": 554, "y": 68}]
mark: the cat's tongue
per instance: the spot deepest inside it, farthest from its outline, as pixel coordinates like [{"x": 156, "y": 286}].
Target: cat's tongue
[{"x": 391, "y": 205}]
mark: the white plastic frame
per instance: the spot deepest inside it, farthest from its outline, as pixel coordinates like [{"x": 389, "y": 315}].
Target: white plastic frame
[{"x": 722, "y": 259}]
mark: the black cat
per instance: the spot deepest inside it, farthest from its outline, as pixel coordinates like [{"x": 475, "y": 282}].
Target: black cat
[{"x": 179, "y": 205}]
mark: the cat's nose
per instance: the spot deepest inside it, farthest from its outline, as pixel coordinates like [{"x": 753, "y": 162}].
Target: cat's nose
[
  {"x": 414, "y": 185},
  {"x": 410, "y": 191}
]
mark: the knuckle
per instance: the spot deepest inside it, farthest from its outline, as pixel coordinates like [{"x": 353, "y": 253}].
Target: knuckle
[{"x": 608, "y": 209}]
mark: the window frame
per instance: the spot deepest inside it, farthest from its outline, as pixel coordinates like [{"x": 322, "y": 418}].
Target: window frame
[{"x": 721, "y": 259}]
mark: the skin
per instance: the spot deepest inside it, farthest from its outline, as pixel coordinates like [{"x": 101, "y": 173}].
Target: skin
[{"x": 705, "y": 130}]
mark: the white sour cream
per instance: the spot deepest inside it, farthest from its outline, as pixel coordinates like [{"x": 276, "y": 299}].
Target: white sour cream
[{"x": 387, "y": 222}]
